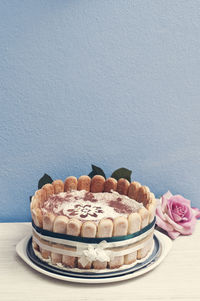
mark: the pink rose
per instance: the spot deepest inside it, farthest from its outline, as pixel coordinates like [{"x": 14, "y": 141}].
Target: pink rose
[{"x": 175, "y": 215}]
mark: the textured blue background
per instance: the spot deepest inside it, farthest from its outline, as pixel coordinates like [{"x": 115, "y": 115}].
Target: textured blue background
[{"x": 113, "y": 83}]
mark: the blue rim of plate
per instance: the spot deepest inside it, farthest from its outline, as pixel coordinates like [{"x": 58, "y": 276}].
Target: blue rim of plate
[{"x": 89, "y": 275}]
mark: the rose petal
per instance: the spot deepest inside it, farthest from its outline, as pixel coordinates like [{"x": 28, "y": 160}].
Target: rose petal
[
  {"x": 180, "y": 199},
  {"x": 173, "y": 234},
  {"x": 164, "y": 225},
  {"x": 188, "y": 223},
  {"x": 196, "y": 212},
  {"x": 182, "y": 204},
  {"x": 169, "y": 207},
  {"x": 188, "y": 212},
  {"x": 175, "y": 225},
  {"x": 159, "y": 212},
  {"x": 189, "y": 229},
  {"x": 176, "y": 217},
  {"x": 165, "y": 199}
]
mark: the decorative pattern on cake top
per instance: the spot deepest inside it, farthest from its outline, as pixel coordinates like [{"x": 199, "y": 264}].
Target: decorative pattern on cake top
[{"x": 90, "y": 206}]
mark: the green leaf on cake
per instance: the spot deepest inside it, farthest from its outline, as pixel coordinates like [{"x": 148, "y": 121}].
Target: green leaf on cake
[
  {"x": 122, "y": 173},
  {"x": 96, "y": 171},
  {"x": 44, "y": 180}
]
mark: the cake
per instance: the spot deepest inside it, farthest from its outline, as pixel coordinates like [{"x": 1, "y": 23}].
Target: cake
[{"x": 93, "y": 223}]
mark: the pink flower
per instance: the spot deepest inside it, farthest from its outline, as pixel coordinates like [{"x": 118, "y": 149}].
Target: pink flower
[{"x": 175, "y": 215}]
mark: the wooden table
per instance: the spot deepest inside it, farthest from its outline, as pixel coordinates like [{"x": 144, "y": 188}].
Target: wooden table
[{"x": 177, "y": 278}]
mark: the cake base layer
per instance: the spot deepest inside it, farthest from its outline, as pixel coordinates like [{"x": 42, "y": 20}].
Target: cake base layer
[
  {"x": 138, "y": 264},
  {"x": 90, "y": 253}
]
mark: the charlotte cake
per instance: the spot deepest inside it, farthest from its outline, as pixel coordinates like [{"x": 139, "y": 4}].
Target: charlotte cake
[{"x": 92, "y": 208}]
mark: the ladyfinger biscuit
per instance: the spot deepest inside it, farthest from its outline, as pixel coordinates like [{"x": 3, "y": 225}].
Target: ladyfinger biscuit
[
  {"x": 144, "y": 213},
  {"x": 99, "y": 264},
  {"x": 88, "y": 229},
  {"x": 130, "y": 258},
  {"x": 134, "y": 222},
  {"x": 97, "y": 184},
  {"x": 84, "y": 183},
  {"x": 34, "y": 203},
  {"x": 120, "y": 227},
  {"x": 116, "y": 262},
  {"x": 48, "y": 220},
  {"x": 147, "y": 196},
  {"x": 59, "y": 226},
  {"x": 39, "y": 198},
  {"x": 58, "y": 186},
  {"x": 70, "y": 184},
  {"x": 144, "y": 251},
  {"x": 35, "y": 245},
  {"x": 105, "y": 229},
  {"x": 133, "y": 190},
  {"x": 37, "y": 217},
  {"x": 152, "y": 197},
  {"x": 143, "y": 195},
  {"x": 110, "y": 184},
  {"x": 49, "y": 189},
  {"x": 152, "y": 208},
  {"x": 122, "y": 186},
  {"x": 73, "y": 228}
]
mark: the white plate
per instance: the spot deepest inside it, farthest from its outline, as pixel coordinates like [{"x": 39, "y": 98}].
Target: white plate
[{"x": 164, "y": 241}]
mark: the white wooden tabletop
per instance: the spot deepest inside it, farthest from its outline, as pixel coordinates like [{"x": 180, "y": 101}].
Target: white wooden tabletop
[{"x": 177, "y": 278}]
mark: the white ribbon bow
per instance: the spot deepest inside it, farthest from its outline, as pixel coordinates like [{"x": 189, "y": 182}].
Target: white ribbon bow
[{"x": 93, "y": 253}]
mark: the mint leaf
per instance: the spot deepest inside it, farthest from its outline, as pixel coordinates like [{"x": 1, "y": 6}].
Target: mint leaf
[
  {"x": 122, "y": 173},
  {"x": 96, "y": 171},
  {"x": 44, "y": 180}
]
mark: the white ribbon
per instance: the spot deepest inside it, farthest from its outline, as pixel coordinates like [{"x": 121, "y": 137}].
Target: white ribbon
[
  {"x": 89, "y": 253},
  {"x": 93, "y": 253}
]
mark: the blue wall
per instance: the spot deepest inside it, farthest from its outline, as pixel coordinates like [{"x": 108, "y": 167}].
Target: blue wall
[{"x": 113, "y": 83}]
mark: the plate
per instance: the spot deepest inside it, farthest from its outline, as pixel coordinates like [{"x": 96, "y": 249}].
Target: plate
[{"x": 162, "y": 245}]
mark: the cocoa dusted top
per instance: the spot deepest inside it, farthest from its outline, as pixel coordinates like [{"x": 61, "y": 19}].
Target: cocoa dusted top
[{"x": 90, "y": 206}]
